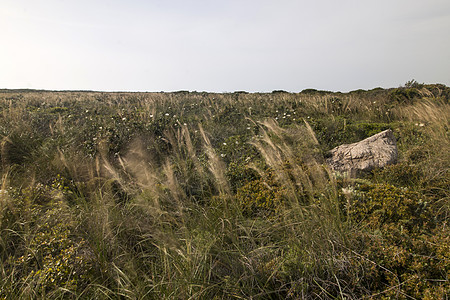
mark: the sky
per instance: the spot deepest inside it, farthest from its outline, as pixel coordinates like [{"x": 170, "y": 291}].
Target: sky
[{"x": 223, "y": 46}]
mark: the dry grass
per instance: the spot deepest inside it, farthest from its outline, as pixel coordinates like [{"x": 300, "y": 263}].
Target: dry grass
[{"x": 140, "y": 185}]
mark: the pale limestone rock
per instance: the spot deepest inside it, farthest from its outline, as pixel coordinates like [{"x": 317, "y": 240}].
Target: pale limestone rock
[{"x": 376, "y": 151}]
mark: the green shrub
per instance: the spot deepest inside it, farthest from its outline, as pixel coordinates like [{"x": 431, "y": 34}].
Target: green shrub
[
  {"x": 400, "y": 175},
  {"x": 382, "y": 205},
  {"x": 402, "y": 251},
  {"x": 397, "y": 265},
  {"x": 19, "y": 147},
  {"x": 53, "y": 259},
  {"x": 258, "y": 198},
  {"x": 48, "y": 257},
  {"x": 365, "y": 130},
  {"x": 238, "y": 175},
  {"x": 57, "y": 110},
  {"x": 404, "y": 95},
  {"x": 332, "y": 132}
]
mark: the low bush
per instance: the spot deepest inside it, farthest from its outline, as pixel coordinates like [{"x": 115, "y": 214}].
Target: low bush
[
  {"x": 381, "y": 206},
  {"x": 258, "y": 198},
  {"x": 400, "y": 175}
]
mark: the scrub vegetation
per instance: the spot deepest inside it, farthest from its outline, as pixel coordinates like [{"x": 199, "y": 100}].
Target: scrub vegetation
[{"x": 195, "y": 195}]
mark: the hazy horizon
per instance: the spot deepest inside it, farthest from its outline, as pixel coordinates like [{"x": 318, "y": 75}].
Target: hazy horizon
[{"x": 223, "y": 46}]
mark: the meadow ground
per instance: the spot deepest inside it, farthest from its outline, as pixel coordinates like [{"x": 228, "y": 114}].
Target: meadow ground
[{"x": 192, "y": 195}]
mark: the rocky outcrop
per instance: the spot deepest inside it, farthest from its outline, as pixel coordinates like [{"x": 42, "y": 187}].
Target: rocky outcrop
[{"x": 376, "y": 151}]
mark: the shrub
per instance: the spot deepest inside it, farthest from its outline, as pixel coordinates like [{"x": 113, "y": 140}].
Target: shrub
[
  {"x": 332, "y": 132},
  {"x": 53, "y": 260},
  {"x": 48, "y": 257},
  {"x": 404, "y": 95},
  {"x": 19, "y": 147},
  {"x": 402, "y": 249},
  {"x": 397, "y": 265},
  {"x": 258, "y": 198},
  {"x": 382, "y": 206},
  {"x": 239, "y": 174},
  {"x": 400, "y": 175}
]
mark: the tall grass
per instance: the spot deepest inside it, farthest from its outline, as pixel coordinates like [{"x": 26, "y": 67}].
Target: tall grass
[
  {"x": 432, "y": 117},
  {"x": 133, "y": 195}
]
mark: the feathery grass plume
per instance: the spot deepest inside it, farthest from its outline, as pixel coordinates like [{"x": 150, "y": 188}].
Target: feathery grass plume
[
  {"x": 216, "y": 166},
  {"x": 431, "y": 116},
  {"x": 311, "y": 132},
  {"x": 291, "y": 155},
  {"x": 139, "y": 178},
  {"x": 190, "y": 149},
  {"x": 175, "y": 191},
  {"x": 431, "y": 112},
  {"x": 84, "y": 173},
  {"x": 16, "y": 113},
  {"x": 276, "y": 148},
  {"x": 311, "y": 218},
  {"x": 4, "y": 151},
  {"x": 58, "y": 128},
  {"x": 190, "y": 174},
  {"x": 140, "y": 166},
  {"x": 4, "y": 196}
]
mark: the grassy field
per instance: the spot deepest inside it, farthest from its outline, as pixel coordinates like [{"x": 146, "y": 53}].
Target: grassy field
[{"x": 193, "y": 195}]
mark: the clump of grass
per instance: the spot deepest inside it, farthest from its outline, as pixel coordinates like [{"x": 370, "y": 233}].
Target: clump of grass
[{"x": 431, "y": 116}]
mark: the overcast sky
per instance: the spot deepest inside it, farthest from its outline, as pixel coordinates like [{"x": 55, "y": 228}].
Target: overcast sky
[{"x": 223, "y": 46}]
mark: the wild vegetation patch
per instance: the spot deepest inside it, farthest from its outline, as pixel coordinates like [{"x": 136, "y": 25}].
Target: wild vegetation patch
[{"x": 222, "y": 196}]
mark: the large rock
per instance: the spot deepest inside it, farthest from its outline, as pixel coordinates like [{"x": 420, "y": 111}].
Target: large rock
[{"x": 376, "y": 151}]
